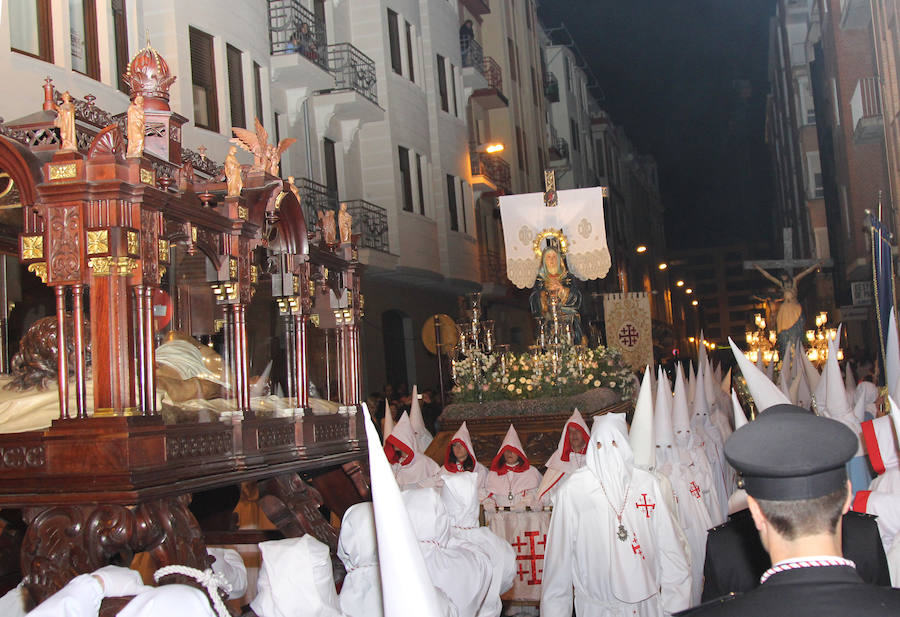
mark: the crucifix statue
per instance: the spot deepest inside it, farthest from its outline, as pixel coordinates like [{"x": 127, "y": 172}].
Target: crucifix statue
[{"x": 789, "y": 322}]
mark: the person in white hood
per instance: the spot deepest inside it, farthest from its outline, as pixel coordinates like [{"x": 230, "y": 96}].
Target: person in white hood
[
  {"x": 568, "y": 457},
  {"x": 411, "y": 467},
  {"x": 358, "y": 550},
  {"x": 460, "y": 496},
  {"x": 460, "y": 457},
  {"x": 612, "y": 541},
  {"x": 464, "y": 575},
  {"x": 512, "y": 481}
]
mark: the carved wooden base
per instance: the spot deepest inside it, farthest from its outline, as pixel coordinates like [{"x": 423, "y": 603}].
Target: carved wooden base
[{"x": 63, "y": 542}]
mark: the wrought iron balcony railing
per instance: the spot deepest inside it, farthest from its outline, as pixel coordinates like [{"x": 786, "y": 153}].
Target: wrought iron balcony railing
[
  {"x": 491, "y": 167},
  {"x": 353, "y": 70},
  {"x": 315, "y": 198},
  {"x": 493, "y": 73},
  {"x": 493, "y": 267},
  {"x": 294, "y": 29},
  {"x": 472, "y": 53},
  {"x": 371, "y": 222},
  {"x": 551, "y": 87}
]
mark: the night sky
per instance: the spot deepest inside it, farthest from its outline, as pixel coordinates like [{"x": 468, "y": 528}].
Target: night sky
[{"x": 675, "y": 75}]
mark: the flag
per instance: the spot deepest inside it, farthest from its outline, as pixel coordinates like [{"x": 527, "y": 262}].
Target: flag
[
  {"x": 629, "y": 327},
  {"x": 882, "y": 280}
]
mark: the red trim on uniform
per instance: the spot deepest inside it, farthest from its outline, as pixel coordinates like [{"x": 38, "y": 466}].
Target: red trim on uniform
[
  {"x": 392, "y": 455},
  {"x": 874, "y": 452},
  {"x": 861, "y": 501},
  {"x": 453, "y": 466},
  {"x": 555, "y": 482},
  {"x": 499, "y": 466},
  {"x": 567, "y": 447}
]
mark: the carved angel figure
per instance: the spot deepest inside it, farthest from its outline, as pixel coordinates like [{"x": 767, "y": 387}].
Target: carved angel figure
[
  {"x": 233, "y": 179},
  {"x": 135, "y": 128},
  {"x": 266, "y": 156},
  {"x": 65, "y": 122},
  {"x": 345, "y": 223},
  {"x": 326, "y": 222}
]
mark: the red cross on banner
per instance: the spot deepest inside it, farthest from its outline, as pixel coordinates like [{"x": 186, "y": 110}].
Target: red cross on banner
[
  {"x": 636, "y": 548},
  {"x": 695, "y": 489},
  {"x": 647, "y": 506},
  {"x": 533, "y": 557},
  {"x": 518, "y": 544},
  {"x": 522, "y": 571},
  {"x": 629, "y": 335}
]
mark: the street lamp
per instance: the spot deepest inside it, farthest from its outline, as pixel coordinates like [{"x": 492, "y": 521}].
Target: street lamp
[
  {"x": 663, "y": 266},
  {"x": 688, "y": 291},
  {"x": 641, "y": 248},
  {"x": 679, "y": 283},
  {"x": 695, "y": 302}
]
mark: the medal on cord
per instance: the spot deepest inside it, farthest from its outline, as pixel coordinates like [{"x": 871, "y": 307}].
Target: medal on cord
[{"x": 621, "y": 532}]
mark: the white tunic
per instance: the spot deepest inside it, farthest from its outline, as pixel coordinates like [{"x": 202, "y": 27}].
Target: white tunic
[{"x": 645, "y": 574}]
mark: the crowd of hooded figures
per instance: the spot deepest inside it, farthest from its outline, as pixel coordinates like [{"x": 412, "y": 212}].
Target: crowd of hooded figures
[{"x": 646, "y": 519}]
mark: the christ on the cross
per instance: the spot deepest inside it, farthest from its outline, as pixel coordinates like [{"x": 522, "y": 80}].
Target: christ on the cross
[{"x": 789, "y": 318}]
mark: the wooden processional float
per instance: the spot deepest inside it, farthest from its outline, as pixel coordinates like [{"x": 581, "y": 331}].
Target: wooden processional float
[{"x": 115, "y": 211}]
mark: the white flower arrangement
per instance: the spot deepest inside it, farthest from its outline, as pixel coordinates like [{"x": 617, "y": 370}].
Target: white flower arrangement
[{"x": 563, "y": 372}]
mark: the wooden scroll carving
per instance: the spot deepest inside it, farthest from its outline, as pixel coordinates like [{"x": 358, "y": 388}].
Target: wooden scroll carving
[{"x": 65, "y": 541}]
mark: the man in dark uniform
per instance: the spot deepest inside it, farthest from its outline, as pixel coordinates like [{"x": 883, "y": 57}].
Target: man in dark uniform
[
  {"x": 792, "y": 467},
  {"x": 735, "y": 557}
]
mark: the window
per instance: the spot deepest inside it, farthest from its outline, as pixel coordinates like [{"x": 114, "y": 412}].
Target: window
[
  {"x": 737, "y": 315},
  {"x": 520, "y": 148},
  {"x": 528, "y": 14},
  {"x": 405, "y": 179},
  {"x": 534, "y": 88},
  {"x": 30, "y": 30},
  {"x": 453, "y": 90},
  {"x": 409, "y": 52},
  {"x": 394, "y": 37},
  {"x": 236, "y": 86},
  {"x": 442, "y": 83},
  {"x": 513, "y": 67},
  {"x": 451, "y": 203},
  {"x": 331, "y": 180},
  {"x": 120, "y": 33},
  {"x": 462, "y": 203},
  {"x": 257, "y": 92},
  {"x": 567, "y": 69},
  {"x": 573, "y": 128},
  {"x": 712, "y": 317},
  {"x": 598, "y": 158},
  {"x": 203, "y": 80},
  {"x": 83, "y": 36},
  {"x": 421, "y": 186}
]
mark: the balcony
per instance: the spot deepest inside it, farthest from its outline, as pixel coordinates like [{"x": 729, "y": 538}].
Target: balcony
[
  {"x": 490, "y": 173},
  {"x": 315, "y": 198},
  {"x": 491, "y": 97},
  {"x": 559, "y": 149},
  {"x": 865, "y": 111},
  {"x": 551, "y": 87},
  {"x": 493, "y": 271},
  {"x": 477, "y": 7},
  {"x": 472, "y": 63},
  {"x": 371, "y": 222},
  {"x": 855, "y": 14},
  {"x": 298, "y": 45},
  {"x": 352, "y": 70}
]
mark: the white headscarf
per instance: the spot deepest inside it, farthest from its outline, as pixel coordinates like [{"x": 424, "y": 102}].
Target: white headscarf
[
  {"x": 296, "y": 578},
  {"x": 415, "y": 470},
  {"x": 358, "y": 551}
]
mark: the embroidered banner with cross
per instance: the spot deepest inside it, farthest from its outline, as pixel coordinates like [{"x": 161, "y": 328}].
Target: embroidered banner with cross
[
  {"x": 629, "y": 327},
  {"x": 526, "y": 532}
]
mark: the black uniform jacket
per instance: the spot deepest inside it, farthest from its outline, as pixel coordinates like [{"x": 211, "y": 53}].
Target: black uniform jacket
[
  {"x": 735, "y": 557},
  {"x": 807, "y": 592}
]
